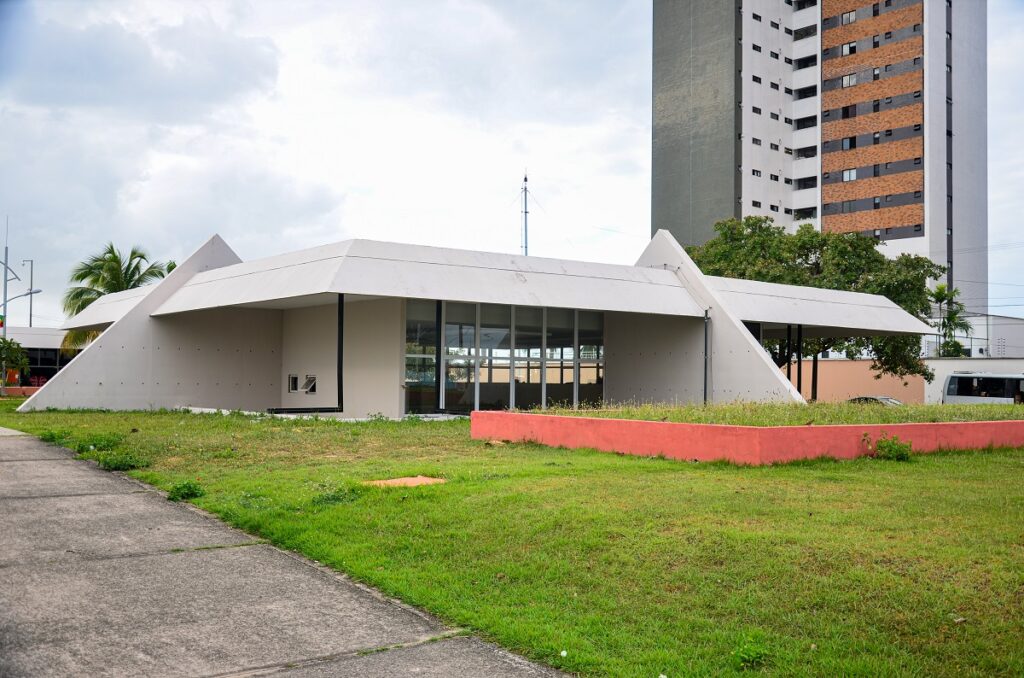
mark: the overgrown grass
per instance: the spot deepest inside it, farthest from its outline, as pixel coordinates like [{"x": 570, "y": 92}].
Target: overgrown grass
[
  {"x": 778, "y": 414},
  {"x": 632, "y": 566}
]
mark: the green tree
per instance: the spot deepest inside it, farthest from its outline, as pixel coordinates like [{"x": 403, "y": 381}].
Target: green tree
[
  {"x": 104, "y": 273},
  {"x": 12, "y": 357},
  {"x": 952, "y": 319},
  {"x": 756, "y": 248}
]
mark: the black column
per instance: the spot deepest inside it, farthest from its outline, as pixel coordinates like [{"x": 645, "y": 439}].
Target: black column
[
  {"x": 437, "y": 358},
  {"x": 814, "y": 379},
  {"x": 789, "y": 351},
  {"x": 800, "y": 359},
  {"x": 341, "y": 352}
]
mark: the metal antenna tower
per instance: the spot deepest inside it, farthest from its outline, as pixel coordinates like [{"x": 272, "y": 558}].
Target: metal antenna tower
[{"x": 526, "y": 216}]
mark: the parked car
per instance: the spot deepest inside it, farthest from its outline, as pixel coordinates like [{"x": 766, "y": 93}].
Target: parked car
[{"x": 875, "y": 400}]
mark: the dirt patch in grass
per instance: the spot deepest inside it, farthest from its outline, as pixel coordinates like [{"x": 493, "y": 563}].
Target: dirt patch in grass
[{"x": 408, "y": 481}]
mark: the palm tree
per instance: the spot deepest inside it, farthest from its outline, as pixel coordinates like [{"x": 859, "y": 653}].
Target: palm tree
[
  {"x": 105, "y": 273},
  {"x": 951, "y": 320}
]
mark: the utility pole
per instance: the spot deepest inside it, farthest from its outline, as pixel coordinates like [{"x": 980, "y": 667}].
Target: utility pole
[
  {"x": 526, "y": 215},
  {"x": 7, "y": 273},
  {"x": 3, "y": 364},
  {"x": 7, "y": 233},
  {"x": 31, "y": 278}
]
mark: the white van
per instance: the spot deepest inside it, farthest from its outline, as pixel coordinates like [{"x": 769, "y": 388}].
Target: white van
[{"x": 980, "y": 387}]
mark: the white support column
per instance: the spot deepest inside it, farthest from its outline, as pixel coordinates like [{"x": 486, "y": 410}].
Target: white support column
[
  {"x": 512, "y": 359},
  {"x": 544, "y": 358},
  {"x": 476, "y": 361}
]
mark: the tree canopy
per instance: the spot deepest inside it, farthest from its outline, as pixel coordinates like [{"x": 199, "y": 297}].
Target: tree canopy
[
  {"x": 104, "y": 273},
  {"x": 756, "y": 248},
  {"x": 12, "y": 356}
]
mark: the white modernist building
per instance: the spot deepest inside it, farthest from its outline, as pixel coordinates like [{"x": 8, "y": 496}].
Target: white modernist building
[{"x": 361, "y": 327}]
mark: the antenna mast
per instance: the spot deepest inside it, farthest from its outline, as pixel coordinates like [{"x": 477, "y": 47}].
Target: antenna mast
[{"x": 526, "y": 216}]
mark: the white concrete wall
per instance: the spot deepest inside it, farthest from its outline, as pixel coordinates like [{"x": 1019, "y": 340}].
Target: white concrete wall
[
  {"x": 225, "y": 358},
  {"x": 970, "y": 153},
  {"x": 740, "y": 369},
  {"x": 946, "y": 366},
  {"x": 310, "y": 347},
  {"x": 374, "y": 358},
  {"x": 653, "y": 358}
]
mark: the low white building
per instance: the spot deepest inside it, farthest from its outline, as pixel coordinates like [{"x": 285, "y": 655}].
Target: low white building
[
  {"x": 361, "y": 327},
  {"x": 42, "y": 348}
]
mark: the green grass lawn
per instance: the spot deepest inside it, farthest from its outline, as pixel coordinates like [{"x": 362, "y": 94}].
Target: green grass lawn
[
  {"x": 778, "y": 414},
  {"x": 632, "y": 566}
]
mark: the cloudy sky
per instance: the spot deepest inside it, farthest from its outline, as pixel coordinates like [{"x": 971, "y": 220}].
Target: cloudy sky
[{"x": 281, "y": 125}]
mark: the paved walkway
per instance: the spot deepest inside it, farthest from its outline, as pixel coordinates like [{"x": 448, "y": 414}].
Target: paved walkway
[{"x": 100, "y": 575}]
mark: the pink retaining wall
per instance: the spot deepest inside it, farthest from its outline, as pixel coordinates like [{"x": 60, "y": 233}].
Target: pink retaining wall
[
  {"x": 738, "y": 444},
  {"x": 22, "y": 390}
]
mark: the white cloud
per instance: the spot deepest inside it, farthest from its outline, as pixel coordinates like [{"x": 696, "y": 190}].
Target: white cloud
[
  {"x": 287, "y": 124},
  {"x": 168, "y": 74}
]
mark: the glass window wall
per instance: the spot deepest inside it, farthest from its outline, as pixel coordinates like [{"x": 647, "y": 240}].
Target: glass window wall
[
  {"x": 496, "y": 357},
  {"x": 529, "y": 333},
  {"x": 560, "y": 356},
  {"x": 421, "y": 353},
  {"x": 494, "y": 366},
  {"x": 460, "y": 357},
  {"x": 590, "y": 391}
]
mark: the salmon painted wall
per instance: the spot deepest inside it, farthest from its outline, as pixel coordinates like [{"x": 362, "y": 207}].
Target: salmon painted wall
[
  {"x": 739, "y": 444},
  {"x": 843, "y": 379}
]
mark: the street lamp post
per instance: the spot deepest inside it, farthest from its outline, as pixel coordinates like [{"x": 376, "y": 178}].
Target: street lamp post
[{"x": 31, "y": 277}]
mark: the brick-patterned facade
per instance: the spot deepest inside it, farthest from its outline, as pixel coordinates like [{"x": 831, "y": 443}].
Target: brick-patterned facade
[
  {"x": 893, "y": 53},
  {"x": 898, "y": 52},
  {"x": 876, "y": 25},
  {"x": 873, "y": 155},
  {"x": 874, "y": 89},
  {"x": 830, "y": 8},
  {"x": 869, "y": 220},
  {"x": 891, "y": 184},
  {"x": 873, "y": 122}
]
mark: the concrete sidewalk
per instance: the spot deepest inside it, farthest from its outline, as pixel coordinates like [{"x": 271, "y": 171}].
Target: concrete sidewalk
[{"x": 100, "y": 575}]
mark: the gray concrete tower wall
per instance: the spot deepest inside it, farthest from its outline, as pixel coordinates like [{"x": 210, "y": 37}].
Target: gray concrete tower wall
[{"x": 696, "y": 118}]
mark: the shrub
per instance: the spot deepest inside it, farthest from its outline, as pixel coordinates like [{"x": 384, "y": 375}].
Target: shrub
[
  {"x": 892, "y": 449},
  {"x": 752, "y": 653},
  {"x": 57, "y": 437},
  {"x": 97, "y": 442},
  {"x": 186, "y": 489},
  {"x": 341, "y": 495},
  {"x": 120, "y": 461}
]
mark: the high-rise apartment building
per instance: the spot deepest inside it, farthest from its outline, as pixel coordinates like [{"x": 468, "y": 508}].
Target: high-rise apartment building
[{"x": 854, "y": 116}]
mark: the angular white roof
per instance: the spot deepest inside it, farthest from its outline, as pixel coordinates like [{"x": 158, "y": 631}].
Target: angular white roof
[
  {"x": 107, "y": 309},
  {"x": 36, "y": 337},
  {"x": 382, "y": 269},
  {"x": 372, "y": 268},
  {"x": 840, "y": 313}
]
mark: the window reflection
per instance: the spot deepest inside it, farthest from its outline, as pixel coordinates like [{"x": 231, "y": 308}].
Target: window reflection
[
  {"x": 495, "y": 354},
  {"x": 460, "y": 350},
  {"x": 421, "y": 353},
  {"x": 493, "y": 358}
]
